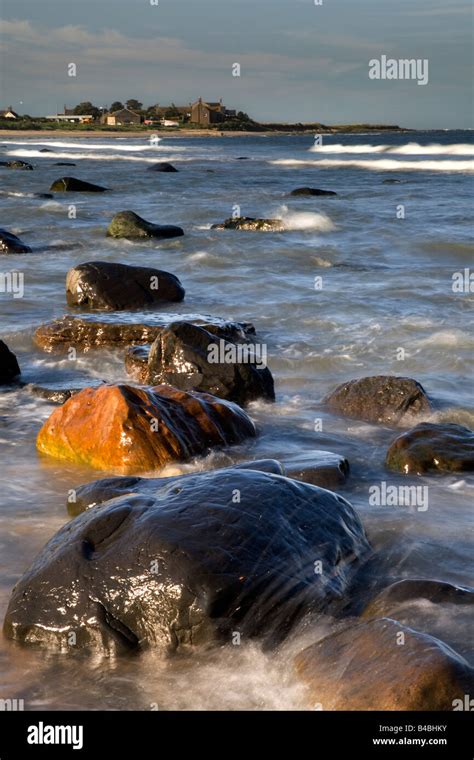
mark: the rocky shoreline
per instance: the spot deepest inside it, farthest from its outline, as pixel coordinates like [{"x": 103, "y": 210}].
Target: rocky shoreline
[{"x": 190, "y": 561}]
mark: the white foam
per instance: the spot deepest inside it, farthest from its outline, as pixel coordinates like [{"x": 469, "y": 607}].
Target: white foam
[
  {"x": 410, "y": 149},
  {"x": 383, "y": 164},
  {"x": 305, "y": 220},
  {"x": 23, "y": 153},
  {"x": 86, "y": 145}
]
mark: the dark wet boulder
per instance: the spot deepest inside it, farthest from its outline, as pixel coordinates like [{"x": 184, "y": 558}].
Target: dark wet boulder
[
  {"x": 22, "y": 165},
  {"x": 391, "y": 181},
  {"x": 383, "y": 665},
  {"x": 162, "y": 166},
  {"x": 87, "y": 332},
  {"x": 382, "y": 398},
  {"x": 127, "y": 429},
  {"x": 189, "y": 561},
  {"x": 46, "y": 150},
  {"x": 73, "y": 185},
  {"x": 189, "y": 357},
  {"x": 64, "y": 163},
  {"x": 43, "y": 196},
  {"x": 311, "y": 191},
  {"x": 127, "y": 224},
  {"x": 433, "y": 447},
  {"x": 411, "y": 590},
  {"x": 9, "y": 367},
  {"x": 115, "y": 287},
  {"x": 136, "y": 362},
  {"x": 320, "y": 468},
  {"x": 10, "y": 243},
  {"x": 250, "y": 223}
]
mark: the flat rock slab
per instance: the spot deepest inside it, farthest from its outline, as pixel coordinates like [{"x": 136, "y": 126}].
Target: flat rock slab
[
  {"x": 250, "y": 223},
  {"x": 126, "y": 429},
  {"x": 10, "y": 243},
  {"x": 115, "y": 287},
  {"x": 433, "y": 447},
  {"x": 9, "y": 368},
  {"x": 73, "y": 185},
  {"x": 382, "y": 398},
  {"x": 189, "y": 562},
  {"x": 87, "y": 332},
  {"x": 366, "y": 667},
  {"x": 127, "y": 224}
]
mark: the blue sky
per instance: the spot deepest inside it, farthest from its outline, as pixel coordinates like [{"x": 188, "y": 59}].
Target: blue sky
[{"x": 299, "y": 62}]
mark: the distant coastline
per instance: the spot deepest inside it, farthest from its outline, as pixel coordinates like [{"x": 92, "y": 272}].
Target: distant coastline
[{"x": 266, "y": 130}]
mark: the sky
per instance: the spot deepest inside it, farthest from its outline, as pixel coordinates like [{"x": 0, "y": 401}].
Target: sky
[{"x": 299, "y": 62}]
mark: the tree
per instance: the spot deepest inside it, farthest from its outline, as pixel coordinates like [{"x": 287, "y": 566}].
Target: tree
[
  {"x": 87, "y": 108},
  {"x": 116, "y": 106},
  {"x": 241, "y": 116},
  {"x": 134, "y": 105}
]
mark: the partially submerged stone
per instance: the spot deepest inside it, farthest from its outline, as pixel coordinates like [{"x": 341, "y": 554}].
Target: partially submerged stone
[
  {"x": 127, "y": 429},
  {"x": 115, "y": 287},
  {"x": 189, "y": 561},
  {"x": 86, "y": 332},
  {"x": 411, "y": 590},
  {"x": 249, "y": 223},
  {"x": 433, "y": 447},
  {"x": 73, "y": 185},
  {"x": 381, "y": 398},
  {"x": 9, "y": 367},
  {"x": 383, "y": 665},
  {"x": 127, "y": 224},
  {"x": 190, "y": 357},
  {"x": 10, "y": 243},
  {"x": 320, "y": 468},
  {"x": 162, "y": 166},
  {"x": 311, "y": 191}
]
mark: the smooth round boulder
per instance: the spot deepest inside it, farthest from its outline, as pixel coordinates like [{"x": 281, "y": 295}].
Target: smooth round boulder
[
  {"x": 383, "y": 665},
  {"x": 9, "y": 367},
  {"x": 162, "y": 166},
  {"x": 249, "y": 223},
  {"x": 430, "y": 447},
  {"x": 117, "y": 287},
  {"x": 311, "y": 191},
  {"x": 127, "y": 224},
  {"x": 415, "y": 589},
  {"x": 10, "y": 243},
  {"x": 73, "y": 185},
  {"x": 381, "y": 398},
  {"x": 190, "y": 357},
  {"x": 187, "y": 563},
  {"x": 320, "y": 468},
  {"x": 126, "y": 429}
]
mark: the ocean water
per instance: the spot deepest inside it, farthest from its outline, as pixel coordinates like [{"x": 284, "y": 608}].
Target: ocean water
[{"x": 386, "y": 285}]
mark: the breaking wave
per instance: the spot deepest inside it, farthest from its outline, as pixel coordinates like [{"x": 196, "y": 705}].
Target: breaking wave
[
  {"x": 382, "y": 164},
  {"x": 410, "y": 149},
  {"x": 305, "y": 220}
]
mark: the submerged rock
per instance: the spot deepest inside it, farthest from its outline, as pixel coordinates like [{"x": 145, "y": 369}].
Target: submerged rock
[
  {"x": 73, "y": 185},
  {"x": 249, "y": 223},
  {"x": 369, "y": 666},
  {"x": 115, "y": 287},
  {"x": 64, "y": 163},
  {"x": 187, "y": 561},
  {"x": 433, "y": 448},
  {"x": 320, "y": 468},
  {"x": 182, "y": 355},
  {"x": 162, "y": 166},
  {"x": 311, "y": 191},
  {"x": 85, "y": 332},
  {"x": 127, "y": 224},
  {"x": 118, "y": 427},
  {"x": 382, "y": 398},
  {"x": 414, "y": 589},
  {"x": 10, "y": 243},
  {"x": 9, "y": 367},
  {"x": 24, "y": 165}
]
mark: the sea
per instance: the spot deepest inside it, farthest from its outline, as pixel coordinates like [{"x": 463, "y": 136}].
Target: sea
[{"x": 357, "y": 284}]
